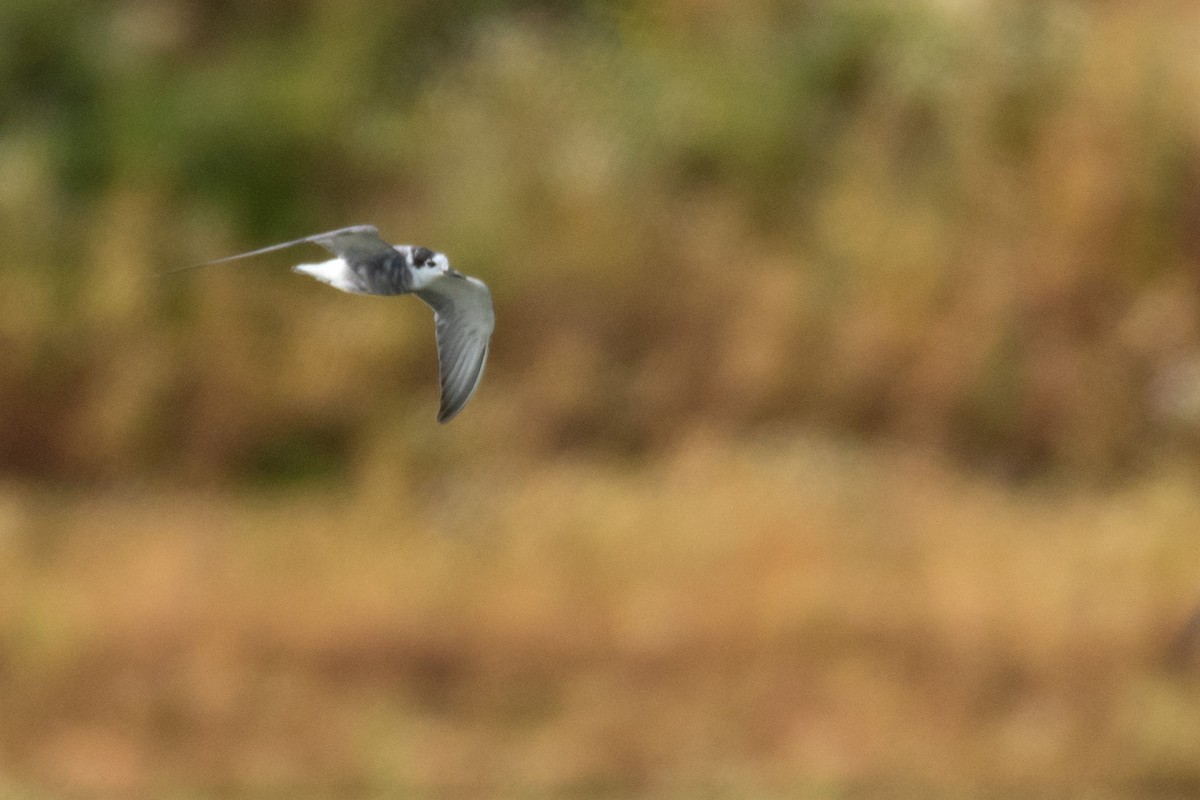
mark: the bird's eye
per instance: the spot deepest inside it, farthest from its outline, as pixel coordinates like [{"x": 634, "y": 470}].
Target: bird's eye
[{"x": 422, "y": 257}]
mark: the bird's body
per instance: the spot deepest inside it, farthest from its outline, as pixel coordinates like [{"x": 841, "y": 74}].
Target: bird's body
[{"x": 462, "y": 305}]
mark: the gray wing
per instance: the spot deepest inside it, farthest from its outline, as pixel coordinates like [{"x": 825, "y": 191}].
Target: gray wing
[
  {"x": 462, "y": 310},
  {"x": 356, "y": 244}
]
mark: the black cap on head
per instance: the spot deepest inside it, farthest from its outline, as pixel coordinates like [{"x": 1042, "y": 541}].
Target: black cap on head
[{"x": 421, "y": 256}]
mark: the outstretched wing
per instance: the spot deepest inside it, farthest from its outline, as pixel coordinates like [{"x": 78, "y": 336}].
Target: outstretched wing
[
  {"x": 356, "y": 244},
  {"x": 462, "y": 310}
]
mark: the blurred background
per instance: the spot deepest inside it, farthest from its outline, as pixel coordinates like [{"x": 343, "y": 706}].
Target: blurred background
[{"x": 839, "y": 438}]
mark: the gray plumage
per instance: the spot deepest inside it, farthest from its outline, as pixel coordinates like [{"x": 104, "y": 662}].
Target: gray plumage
[{"x": 462, "y": 305}]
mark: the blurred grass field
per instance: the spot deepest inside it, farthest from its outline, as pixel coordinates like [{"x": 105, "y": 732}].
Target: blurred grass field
[
  {"x": 839, "y": 436},
  {"x": 779, "y": 618}
]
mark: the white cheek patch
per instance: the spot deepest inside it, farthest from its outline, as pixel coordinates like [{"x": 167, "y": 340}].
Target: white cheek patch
[{"x": 423, "y": 276}]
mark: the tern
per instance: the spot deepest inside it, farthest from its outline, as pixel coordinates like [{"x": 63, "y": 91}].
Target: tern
[{"x": 462, "y": 305}]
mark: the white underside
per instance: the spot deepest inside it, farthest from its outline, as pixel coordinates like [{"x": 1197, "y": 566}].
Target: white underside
[{"x": 335, "y": 272}]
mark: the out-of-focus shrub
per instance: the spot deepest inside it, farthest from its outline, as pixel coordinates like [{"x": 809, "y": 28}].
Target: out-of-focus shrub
[{"x": 964, "y": 225}]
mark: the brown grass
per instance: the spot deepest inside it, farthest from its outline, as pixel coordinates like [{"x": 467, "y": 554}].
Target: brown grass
[{"x": 793, "y": 617}]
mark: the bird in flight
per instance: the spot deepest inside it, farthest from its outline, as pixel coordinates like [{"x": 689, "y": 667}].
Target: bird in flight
[{"x": 462, "y": 305}]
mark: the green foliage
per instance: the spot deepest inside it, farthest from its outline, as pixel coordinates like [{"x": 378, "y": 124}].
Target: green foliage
[{"x": 910, "y": 220}]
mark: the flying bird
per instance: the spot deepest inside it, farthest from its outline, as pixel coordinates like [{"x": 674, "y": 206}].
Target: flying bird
[{"x": 462, "y": 305}]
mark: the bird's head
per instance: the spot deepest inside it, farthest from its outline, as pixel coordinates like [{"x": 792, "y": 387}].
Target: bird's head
[{"x": 427, "y": 266}]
